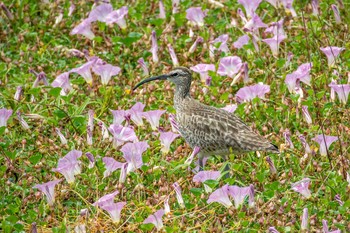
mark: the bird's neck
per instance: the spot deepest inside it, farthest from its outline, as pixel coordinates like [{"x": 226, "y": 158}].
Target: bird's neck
[{"x": 181, "y": 93}]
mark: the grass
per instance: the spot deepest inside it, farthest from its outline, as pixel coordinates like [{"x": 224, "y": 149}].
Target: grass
[{"x": 30, "y": 41}]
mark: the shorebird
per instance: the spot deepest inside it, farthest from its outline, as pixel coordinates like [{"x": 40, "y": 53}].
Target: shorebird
[{"x": 215, "y": 131}]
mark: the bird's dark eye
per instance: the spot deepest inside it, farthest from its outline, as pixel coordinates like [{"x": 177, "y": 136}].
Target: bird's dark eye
[{"x": 174, "y": 74}]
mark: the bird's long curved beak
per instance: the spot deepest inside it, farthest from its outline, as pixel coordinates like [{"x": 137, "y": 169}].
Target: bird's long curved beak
[{"x": 160, "y": 77}]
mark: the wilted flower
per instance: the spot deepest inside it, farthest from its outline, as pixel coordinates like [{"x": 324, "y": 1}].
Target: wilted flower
[
  {"x": 196, "y": 16},
  {"x": 143, "y": 65},
  {"x": 88, "y": 135},
  {"x": 49, "y": 190},
  {"x": 302, "y": 187},
  {"x": 4, "y": 116},
  {"x": 114, "y": 210},
  {"x": 179, "y": 198},
  {"x": 241, "y": 41},
  {"x": 106, "y": 72},
  {"x": 223, "y": 43},
  {"x": 229, "y": 66},
  {"x": 286, "y": 135},
  {"x": 175, "y": 4},
  {"x": 106, "y": 199},
  {"x": 288, "y": 5},
  {"x": 203, "y": 69},
  {"x": 332, "y": 53},
  {"x": 273, "y": 230},
  {"x": 336, "y": 13},
  {"x": 248, "y": 93},
  {"x": 69, "y": 166},
  {"x": 230, "y": 108},
  {"x": 23, "y": 123},
  {"x": 166, "y": 138},
  {"x": 6, "y": 10},
  {"x": 104, "y": 130},
  {"x": 118, "y": 17},
  {"x": 315, "y": 7},
  {"x": 100, "y": 12},
  {"x": 62, "y": 81},
  {"x": 221, "y": 195},
  {"x": 195, "y": 151},
  {"x": 161, "y": 10},
  {"x": 71, "y": 9},
  {"x": 79, "y": 229},
  {"x": 111, "y": 165},
  {"x": 173, "y": 55},
  {"x": 338, "y": 199},
  {"x": 154, "y": 49},
  {"x": 272, "y": 167},
  {"x": 122, "y": 134},
  {"x": 239, "y": 193},
  {"x": 305, "y": 219},
  {"x": 194, "y": 46},
  {"x": 305, "y": 144},
  {"x": 156, "y": 219},
  {"x": 60, "y": 135},
  {"x": 342, "y": 91},
  {"x": 91, "y": 159},
  {"x": 153, "y": 117},
  {"x": 325, "y": 142},
  {"x": 301, "y": 74},
  {"x": 18, "y": 93},
  {"x": 85, "y": 70},
  {"x": 84, "y": 28},
  {"x": 123, "y": 173},
  {"x": 206, "y": 175},
  {"x": 250, "y": 6},
  {"x": 306, "y": 114},
  {"x": 274, "y": 43},
  {"x": 132, "y": 152},
  {"x": 40, "y": 77},
  {"x": 325, "y": 227},
  {"x": 166, "y": 206}
]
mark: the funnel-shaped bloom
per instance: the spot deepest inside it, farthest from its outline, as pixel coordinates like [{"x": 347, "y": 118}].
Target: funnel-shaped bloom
[
  {"x": 122, "y": 134},
  {"x": 153, "y": 117},
  {"x": 69, "y": 166},
  {"x": 336, "y": 13},
  {"x": 100, "y": 12},
  {"x": 84, "y": 28},
  {"x": 62, "y": 81},
  {"x": 85, "y": 70},
  {"x": 306, "y": 114},
  {"x": 301, "y": 74},
  {"x": 111, "y": 165},
  {"x": 305, "y": 144},
  {"x": 132, "y": 152},
  {"x": 274, "y": 43},
  {"x": 288, "y": 6},
  {"x": 40, "y": 77},
  {"x": 305, "y": 220},
  {"x": 325, "y": 142},
  {"x": 61, "y": 136},
  {"x": 106, "y": 199},
  {"x": 230, "y": 108},
  {"x": 91, "y": 159},
  {"x": 49, "y": 190},
  {"x": 194, "y": 46},
  {"x": 179, "y": 198},
  {"x": 223, "y": 43},
  {"x": 288, "y": 140},
  {"x": 272, "y": 167},
  {"x": 118, "y": 116},
  {"x": 221, "y": 196},
  {"x": 315, "y": 4},
  {"x": 206, "y": 175},
  {"x": 241, "y": 41},
  {"x": 229, "y": 66},
  {"x": 4, "y": 116},
  {"x": 342, "y": 91},
  {"x": 248, "y": 93},
  {"x": 325, "y": 227},
  {"x": 254, "y": 24},
  {"x": 156, "y": 219},
  {"x": 250, "y": 6},
  {"x": 196, "y": 16},
  {"x": 161, "y": 10},
  {"x": 106, "y": 72},
  {"x": 136, "y": 113},
  {"x": 239, "y": 193},
  {"x": 173, "y": 55},
  {"x": 23, "y": 123},
  {"x": 302, "y": 187},
  {"x": 114, "y": 210},
  {"x": 154, "y": 48},
  {"x": 118, "y": 17},
  {"x": 332, "y": 53},
  {"x": 166, "y": 138},
  {"x": 203, "y": 69},
  {"x": 276, "y": 28},
  {"x": 143, "y": 65}
]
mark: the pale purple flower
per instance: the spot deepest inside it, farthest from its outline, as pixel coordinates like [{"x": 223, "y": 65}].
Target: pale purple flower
[
  {"x": 255, "y": 40},
  {"x": 195, "y": 151},
  {"x": 40, "y": 77},
  {"x": 273, "y": 230},
  {"x": 241, "y": 15},
  {"x": 173, "y": 55},
  {"x": 111, "y": 165},
  {"x": 272, "y": 167},
  {"x": 333, "y": 82},
  {"x": 18, "y": 94},
  {"x": 88, "y": 135},
  {"x": 221, "y": 195},
  {"x": 302, "y": 187},
  {"x": 288, "y": 6},
  {"x": 156, "y": 219},
  {"x": 100, "y": 12},
  {"x": 85, "y": 70},
  {"x": 250, "y": 6},
  {"x": 143, "y": 65},
  {"x": 114, "y": 210},
  {"x": 90, "y": 126},
  {"x": 203, "y": 69},
  {"x": 132, "y": 152},
  {"x": 69, "y": 166},
  {"x": 254, "y": 24},
  {"x": 49, "y": 190},
  {"x": 206, "y": 175},
  {"x": 166, "y": 138},
  {"x": 229, "y": 66},
  {"x": 61, "y": 136},
  {"x": 118, "y": 116},
  {"x": 274, "y": 3},
  {"x": 23, "y": 123},
  {"x": 106, "y": 199},
  {"x": 241, "y": 41},
  {"x": 196, "y": 16},
  {"x": 306, "y": 114},
  {"x": 248, "y": 93},
  {"x": 194, "y": 46},
  {"x": 342, "y": 91},
  {"x": 175, "y": 4},
  {"x": 301, "y": 74},
  {"x": 336, "y": 13},
  {"x": 305, "y": 219},
  {"x": 276, "y": 28},
  {"x": 122, "y": 134},
  {"x": 179, "y": 198},
  {"x": 274, "y": 43},
  {"x": 167, "y": 206},
  {"x": 230, "y": 108},
  {"x": 288, "y": 140},
  {"x": 84, "y": 28},
  {"x": 71, "y": 9},
  {"x": 223, "y": 43},
  {"x": 325, "y": 142},
  {"x": 332, "y": 54},
  {"x": 106, "y": 72},
  {"x": 123, "y": 173},
  {"x": 118, "y": 17},
  {"x": 153, "y": 117},
  {"x": 325, "y": 227},
  {"x": 62, "y": 81},
  {"x": 91, "y": 159},
  {"x": 315, "y": 7},
  {"x": 104, "y": 130},
  {"x": 305, "y": 144},
  {"x": 161, "y": 10},
  {"x": 239, "y": 193},
  {"x": 338, "y": 199},
  {"x": 154, "y": 48},
  {"x": 136, "y": 113}
]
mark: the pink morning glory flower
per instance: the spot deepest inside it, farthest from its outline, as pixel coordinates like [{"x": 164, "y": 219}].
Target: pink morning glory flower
[
  {"x": 223, "y": 43},
  {"x": 229, "y": 66},
  {"x": 179, "y": 198},
  {"x": 248, "y": 93},
  {"x": 91, "y": 159},
  {"x": 254, "y": 24},
  {"x": 106, "y": 72},
  {"x": 336, "y": 13},
  {"x": 239, "y": 193},
  {"x": 301, "y": 74},
  {"x": 206, "y": 175},
  {"x": 61, "y": 136},
  {"x": 332, "y": 53},
  {"x": 325, "y": 227},
  {"x": 276, "y": 28},
  {"x": 154, "y": 48},
  {"x": 250, "y": 6},
  {"x": 195, "y": 151},
  {"x": 272, "y": 167},
  {"x": 114, "y": 210},
  {"x": 230, "y": 108},
  {"x": 194, "y": 46},
  {"x": 132, "y": 152},
  {"x": 18, "y": 94},
  {"x": 325, "y": 142},
  {"x": 342, "y": 91},
  {"x": 306, "y": 114},
  {"x": 4, "y": 116},
  {"x": 23, "y": 123},
  {"x": 84, "y": 28},
  {"x": 100, "y": 12},
  {"x": 62, "y": 81},
  {"x": 305, "y": 219},
  {"x": 49, "y": 190},
  {"x": 106, "y": 199},
  {"x": 122, "y": 134},
  {"x": 302, "y": 187},
  {"x": 143, "y": 65},
  {"x": 288, "y": 6},
  {"x": 69, "y": 166},
  {"x": 118, "y": 17},
  {"x": 85, "y": 70},
  {"x": 315, "y": 4},
  {"x": 221, "y": 195},
  {"x": 241, "y": 41},
  {"x": 156, "y": 219},
  {"x": 166, "y": 138},
  {"x": 40, "y": 77},
  {"x": 118, "y": 116},
  {"x": 196, "y": 16},
  {"x": 71, "y": 9},
  {"x": 161, "y": 10},
  {"x": 136, "y": 113},
  {"x": 111, "y": 165},
  {"x": 305, "y": 144},
  {"x": 153, "y": 117},
  {"x": 274, "y": 43},
  {"x": 203, "y": 69},
  {"x": 173, "y": 55}
]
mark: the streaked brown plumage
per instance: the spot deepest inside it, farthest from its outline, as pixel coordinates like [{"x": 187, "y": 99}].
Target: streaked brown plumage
[{"x": 214, "y": 130}]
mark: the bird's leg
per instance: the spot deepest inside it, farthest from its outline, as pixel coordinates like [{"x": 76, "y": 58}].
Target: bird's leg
[
  {"x": 227, "y": 168},
  {"x": 200, "y": 162}
]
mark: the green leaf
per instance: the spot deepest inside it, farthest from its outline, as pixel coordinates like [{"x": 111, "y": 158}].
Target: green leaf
[
  {"x": 196, "y": 191},
  {"x": 55, "y": 92},
  {"x": 35, "y": 159}
]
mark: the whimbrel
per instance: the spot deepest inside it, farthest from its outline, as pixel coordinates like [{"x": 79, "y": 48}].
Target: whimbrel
[{"x": 215, "y": 131}]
